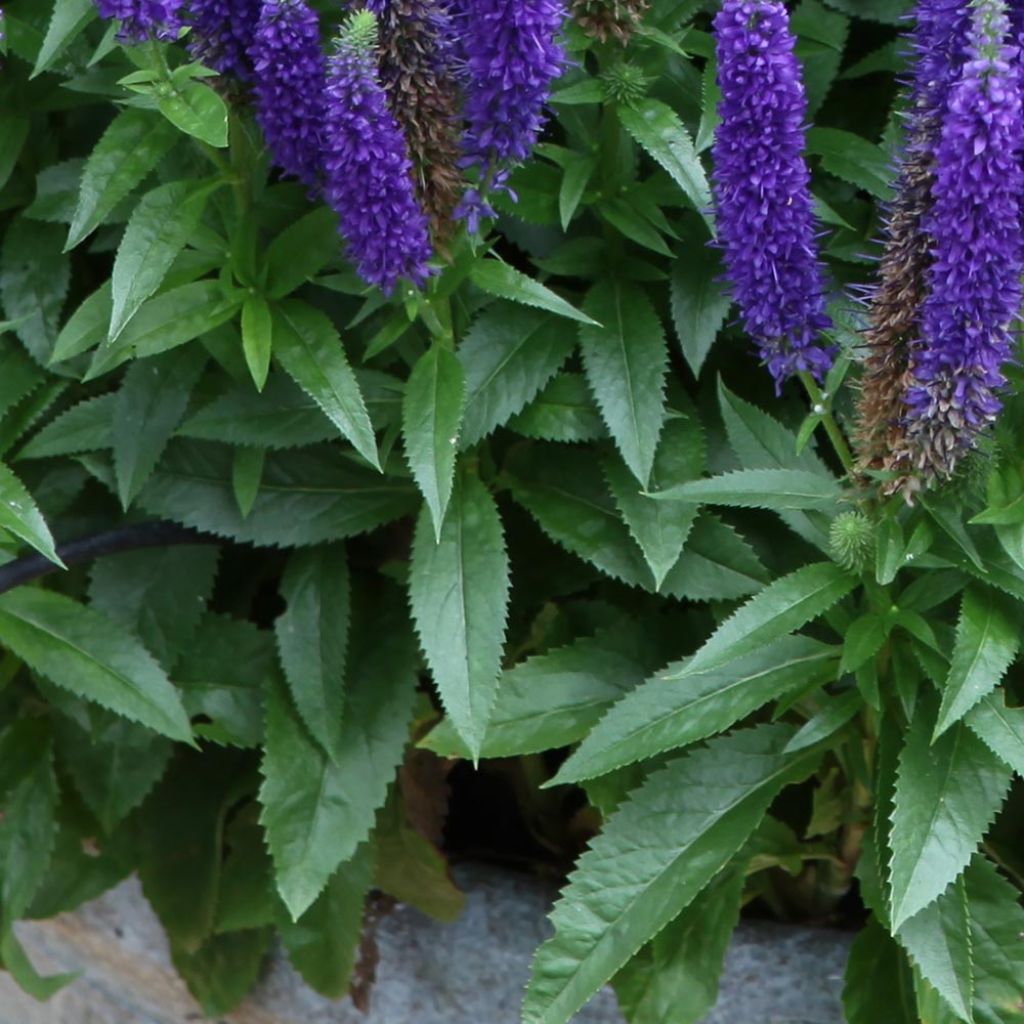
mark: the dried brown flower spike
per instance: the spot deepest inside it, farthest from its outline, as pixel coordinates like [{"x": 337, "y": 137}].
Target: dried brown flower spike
[{"x": 610, "y": 19}]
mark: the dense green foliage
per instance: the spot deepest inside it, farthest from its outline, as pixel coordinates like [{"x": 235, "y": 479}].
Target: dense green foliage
[{"x": 550, "y": 502}]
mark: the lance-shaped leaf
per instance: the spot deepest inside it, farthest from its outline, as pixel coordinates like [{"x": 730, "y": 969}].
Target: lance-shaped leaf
[
  {"x": 83, "y": 651},
  {"x": 20, "y": 516},
  {"x": 459, "y": 589},
  {"x": 759, "y": 488},
  {"x": 634, "y": 879},
  {"x": 987, "y": 641},
  {"x": 665, "y": 713},
  {"x": 1000, "y": 727},
  {"x": 312, "y": 639},
  {"x": 717, "y": 564},
  {"x": 435, "y": 396},
  {"x": 504, "y": 281},
  {"x": 308, "y": 347},
  {"x": 947, "y": 794},
  {"x": 699, "y": 305},
  {"x": 626, "y": 360},
  {"x": 879, "y": 982}
]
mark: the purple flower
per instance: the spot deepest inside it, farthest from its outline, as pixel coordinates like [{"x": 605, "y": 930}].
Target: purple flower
[
  {"x": 977, "y": 255},
  {"x": 766, "y": 222},
  {"x": 368, "y": 173},
  {"x": 289, "y": 78},
  {"x": 144, "y": 19},
  {"x": 510, "y": 58},
  {"x": 222, "y": 32}
]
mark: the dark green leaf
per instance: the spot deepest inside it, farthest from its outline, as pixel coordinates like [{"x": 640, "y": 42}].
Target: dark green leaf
[
  {"x": 301, "y": 251},
  {"x": 257, "y": 338},
  {"x": 504, "y": 281},
  {"x": 759, "y": 488},
  {"x": 854, "y": 159},
  {"x": 1000, "y": 727},
  {"x": 68, "y": 20},
  {"x": 879, "y": 981},
  {"x": 20, "y": 516},
  {"x": 86, "y": 427},
  {"x": 220, "y": 973},
  {"x": 699, "y": 305},
  {"x": 564, "y": 411}
]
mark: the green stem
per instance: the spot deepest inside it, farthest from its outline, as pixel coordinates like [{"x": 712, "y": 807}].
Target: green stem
[{"x": 828, "y": 421}]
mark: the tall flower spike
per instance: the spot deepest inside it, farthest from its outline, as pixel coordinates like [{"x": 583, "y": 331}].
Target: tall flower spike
[
  {"x": 938, "y": 45},
  {"x": 974, "y": 282},
  {"x": 368, "y": 173},
  {"x": 766, "y": 219},
  {"x": 222, "y": 32},
  {"x": 289, "y": 79},
  {"x": 416, "y": 69},
  {"x": 610, "y": 19},
  {"x": 144, "y": 19},
  {"x": 511, "y": 58}
]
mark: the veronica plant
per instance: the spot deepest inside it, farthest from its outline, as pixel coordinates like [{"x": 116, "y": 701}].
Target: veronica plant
[{"x": 617, "y": 399}]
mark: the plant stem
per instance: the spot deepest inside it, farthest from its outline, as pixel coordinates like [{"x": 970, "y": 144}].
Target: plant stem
[{"x": 828, "y": 421}]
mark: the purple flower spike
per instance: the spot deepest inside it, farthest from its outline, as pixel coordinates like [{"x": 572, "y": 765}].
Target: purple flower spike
[
  {"x": 765, "y": 214},
  {"x": 289, "y": 78},
  {"x": 977, "y": 255},
  {"x": 368, "y": 172},
  {"x": 144, "y": 19},
  {"x": 510, "y": 58},
  {"x": 222, "y": 32}
]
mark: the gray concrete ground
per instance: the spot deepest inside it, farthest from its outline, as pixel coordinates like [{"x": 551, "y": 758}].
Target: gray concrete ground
[{"x": 471, "y": 972}]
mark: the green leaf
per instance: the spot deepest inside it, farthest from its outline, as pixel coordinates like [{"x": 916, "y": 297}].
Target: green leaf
[
  {"x": 301, "y": 251},
  {"x": 626, "y": 362},
  {"x": 67, "y": 22},
  {"x": 947, "y": 794},
  {"x": 86, "y": 327},
  {"x": 459, "y": 592},
  {"x": 1000, "y": 727},
  {"x": 622, "y": 894},
  {"x": 317, "y": 811},
  {"x": 987, "y": 642},
  {"x": 257, "y": 338},
  {"x": 82, "y": 651},
  {"x": 149, "y": 406},
  {"x": 699, "y": 305},
  {"x": 657, "y": 128},
  {"x": 785, "y": 605},
  {"x": 221, "y": 973},
  {"x": 85, "y": 427},
  {"x": 20, "y": 516},
  {"x": 246, "y": 477},
  {"x": 19, "y": 376},
  {"x": 862, "y": 641},
  {"x": 886, "y": 11},
  {"x": 323, "y": 945},
  {"x": 193, "y": 485},
  {"x": 505, "y": 282},
  {"x": 509, "y": 354},
  {"x": 575, "y": 178},
  {"x": 435, "y": 396},
  {"x": 312, "y": 639},
  {"x": 21, "y": 969},
  {"x": 309, "y": 349},
  {"x": 133, "y": 144},
  {"x": 564, "y": 411},
  {"x": 679, "y": 706},
  {"x": 160, "y": 226},
  {"x": 198, "y": 111},
  {"x": 552, "y": 700},
  {"x": 854, "y": 159},
  {"x": 759, "y": 488},
  {"x": 661, "y": 528},
  {"x": 835, "y": 713},
  {"x": 879, "y": 982},
  {"x": 34, "y": 278},
  {"x": 15, "y": 126}
]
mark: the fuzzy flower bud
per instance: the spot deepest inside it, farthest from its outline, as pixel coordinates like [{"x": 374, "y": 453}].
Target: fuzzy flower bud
[
  {"x": 222, "y": 32},
  {"x": 974, "y": 282},
  {"x": 144, "y": 19},
  {"x": 765, "y": 213},
  {"x": 851, "y": 540},
  {"x": 511, "y": 57},
  {"x": 289, "y": 81},
  {"x": 368, "y": 173}
]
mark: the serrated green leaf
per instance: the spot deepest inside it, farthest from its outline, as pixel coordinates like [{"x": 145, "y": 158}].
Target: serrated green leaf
[
  {"x": 626, "y": 362},
  {"x": 301, "y": 251},
  {"x": 784, "y": 606},
  {"x": 889, "y": 12},
  {"x": 509, "y": 354},
  {"x": 862, "y": 641},
  {"x": 133, "y": 144},
  {"x": 82, "y": 651},
  {"x": 198, "y": 111},
  {"x": 149, "y": 406},
  {"x": 554, "y": 699},
  {"x": 834, "y": 714},
  {"x": 706, "y": 804},
  {"x": 160, "y": 226},
  {"x": 759, "y": 488},
  {"x": 576, "y": 176},
  {"x": 85, "y": 427},
  {"x": 987, "y": 642},
  {"x": 657, "y": 128},
  {"x": 310, "y": 350},
  {"x": 68, "y": 20},
  {"x": 678, "y": 706},
  {"x": 1000, "y": 727},
  {"x": 15, "y": 126},
  {"x": 20, "y": 516},
  {"x": 19, "y": 375},
  {"x": 435, "y": 396},
  {"x": 312, "y": 639},
  {"x": 459, "y": 592},
  {"x": 192, "y": 485},
  {"x": 564, "y": 411},
  {"x": 947, "y": 794},
  {"x": 854, "y": 159},
  {"x": 879, "y": 982},
  {"x": 257, "y": 338},
  {"x": 505, "y": 282},
  {"x": 699, "y": 305},
  {"x": 221, "y": 972},
  {"x": 86, "y": 327},
  {"x": 317, "y": 811}
]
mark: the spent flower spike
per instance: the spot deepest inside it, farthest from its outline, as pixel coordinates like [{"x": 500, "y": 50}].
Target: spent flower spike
[
  {"x": 289, "y": 76},
  {"x": 974, "y": 282},
  {"x": 144, "y": 19},
  {"x": 765, "y": 213},
  {"x": 368, "y": 175}
]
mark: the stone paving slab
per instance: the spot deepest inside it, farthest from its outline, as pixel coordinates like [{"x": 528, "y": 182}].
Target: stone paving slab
[{"x": 471, "y": 972}]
